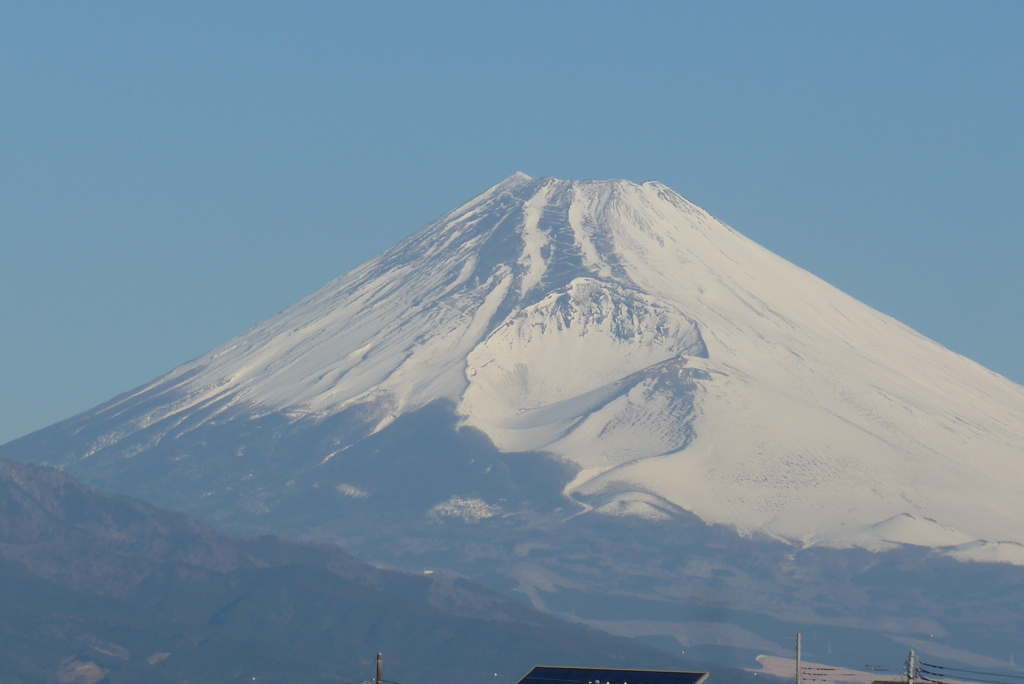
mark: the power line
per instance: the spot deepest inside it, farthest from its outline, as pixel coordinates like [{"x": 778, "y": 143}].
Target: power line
[
  {"x": 957, "y": 669},
  {"x": 947, "y": 681}
]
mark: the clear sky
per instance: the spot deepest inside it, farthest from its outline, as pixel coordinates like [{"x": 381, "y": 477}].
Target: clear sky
[{"x": 173, "y": 173}]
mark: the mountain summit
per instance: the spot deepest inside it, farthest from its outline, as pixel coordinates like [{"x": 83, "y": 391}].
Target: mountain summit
[{"x": 664, "y": 361}]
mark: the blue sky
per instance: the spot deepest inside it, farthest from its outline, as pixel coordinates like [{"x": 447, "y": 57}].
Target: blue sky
[{"x": 172, "y": 173}]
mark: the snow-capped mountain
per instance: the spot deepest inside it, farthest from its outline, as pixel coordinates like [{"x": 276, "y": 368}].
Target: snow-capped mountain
[
  {"x": 671, "y": 363},
  {"x": 585, "y": 391}
]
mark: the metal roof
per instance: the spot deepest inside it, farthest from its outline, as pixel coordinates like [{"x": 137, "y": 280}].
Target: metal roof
[{"x": 587, "y": 675}]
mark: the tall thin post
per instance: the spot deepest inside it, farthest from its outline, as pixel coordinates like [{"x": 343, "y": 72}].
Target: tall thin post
[
  {"x": 799, "y": 678},
  {"x": 380, "y": 668},
  {"x": 911, "y": 667}
]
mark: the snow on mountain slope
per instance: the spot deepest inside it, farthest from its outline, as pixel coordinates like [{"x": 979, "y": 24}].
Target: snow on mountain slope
[{"x": 672, "y": 361}]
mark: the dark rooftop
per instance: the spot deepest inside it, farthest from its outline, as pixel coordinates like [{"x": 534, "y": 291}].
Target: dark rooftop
[{"x": 586, "y": 675}]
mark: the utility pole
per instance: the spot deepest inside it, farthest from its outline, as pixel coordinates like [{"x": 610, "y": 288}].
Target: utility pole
[
  {"x": 911, "y": 667},
  {"x": 380, "y": 668},
  {"x": 799, "y": 677}
]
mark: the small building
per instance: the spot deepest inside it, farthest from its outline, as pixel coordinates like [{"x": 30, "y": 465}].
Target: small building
[{"x": 587, "y": 675}]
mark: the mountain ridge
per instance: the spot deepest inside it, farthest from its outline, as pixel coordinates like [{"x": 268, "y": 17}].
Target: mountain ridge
[{"x": 106, "y": 587}]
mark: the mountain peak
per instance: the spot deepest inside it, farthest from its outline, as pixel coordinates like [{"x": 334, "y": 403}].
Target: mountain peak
[
  {"x": 517, "y": 177},
  {"x": 671, "y": 363}
]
